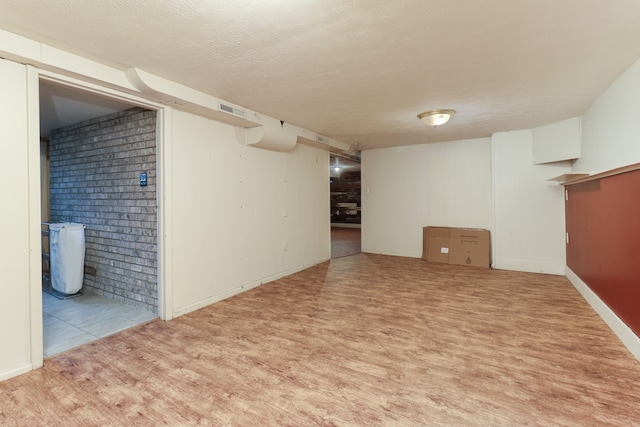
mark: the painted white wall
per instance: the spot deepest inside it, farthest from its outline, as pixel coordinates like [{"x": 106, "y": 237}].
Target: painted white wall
[
  {"x": 611, "y": 128},
  {"x": 15, "y": 338},
  {"x": 528, "y": 229},
  {"x": 407, "y": 188},
  {"x": 459, "y": 183},
  {"x": 241, "y": 215}
]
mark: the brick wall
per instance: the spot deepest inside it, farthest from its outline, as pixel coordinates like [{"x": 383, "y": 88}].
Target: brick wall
[{"x": 95, "y": 169}]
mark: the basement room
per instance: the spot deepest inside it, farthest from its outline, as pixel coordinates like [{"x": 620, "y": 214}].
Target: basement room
[{"x": 286, "y": 213}]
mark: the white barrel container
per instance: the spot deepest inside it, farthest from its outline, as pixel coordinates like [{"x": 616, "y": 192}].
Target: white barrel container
[{"x": 66, "y": 256}]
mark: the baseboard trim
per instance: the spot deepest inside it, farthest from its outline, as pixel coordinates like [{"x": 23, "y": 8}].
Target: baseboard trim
[
  {"x": 622, "y": 331},
  {"x": 15, "y": 372},
  {"x": 529, "y": 266},
  {"x": 228, "y": 294}
]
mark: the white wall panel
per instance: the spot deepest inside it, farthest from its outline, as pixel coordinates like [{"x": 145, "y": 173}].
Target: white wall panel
[
  {"x": 407, "y": 188},
  {"x": 611, "y": 128},
  {"x": 192, "y": 209},
  {"x": 459, "y": 183},
  {"x": 15, "y": 356},
  {"x": 307, "y": 195},
  {"x": 394, "y": 204},
  {"x": 242, "y": 215},
  {"x": 528, "y": 232}
]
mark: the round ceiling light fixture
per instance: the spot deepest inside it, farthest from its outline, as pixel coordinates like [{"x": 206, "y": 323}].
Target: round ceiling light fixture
[{"x": 436, "y": 117}]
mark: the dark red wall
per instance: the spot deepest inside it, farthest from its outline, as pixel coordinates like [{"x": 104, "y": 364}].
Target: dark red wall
[{"x": 603, "y": 222}]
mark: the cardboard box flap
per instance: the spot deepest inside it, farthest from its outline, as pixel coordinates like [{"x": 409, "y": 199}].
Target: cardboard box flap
[{"x": 436, "y": 231}]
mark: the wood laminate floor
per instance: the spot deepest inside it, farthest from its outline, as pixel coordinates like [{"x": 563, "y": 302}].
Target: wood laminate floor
[{"x": 364, "y": 340}]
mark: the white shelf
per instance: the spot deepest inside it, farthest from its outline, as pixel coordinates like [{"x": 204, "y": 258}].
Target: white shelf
[{"x": 578, "y": 177}]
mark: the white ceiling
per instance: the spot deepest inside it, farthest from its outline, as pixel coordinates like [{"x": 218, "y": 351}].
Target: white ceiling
[
  {"x": 61, "y": 106},
  {"x": 360, "y": 71}
]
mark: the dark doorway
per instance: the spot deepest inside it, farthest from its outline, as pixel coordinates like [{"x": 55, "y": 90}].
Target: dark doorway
[{"x": 346, "y": 207}]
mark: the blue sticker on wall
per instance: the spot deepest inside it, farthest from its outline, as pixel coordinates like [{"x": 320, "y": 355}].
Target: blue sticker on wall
[{"x": 143, "y": 179}]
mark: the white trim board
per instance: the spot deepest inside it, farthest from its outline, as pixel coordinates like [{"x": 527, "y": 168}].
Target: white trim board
[
  {"x": 15, "y": 372},
  {"x": 528, "y": 266},
  {"x": 622, "y": 331}
]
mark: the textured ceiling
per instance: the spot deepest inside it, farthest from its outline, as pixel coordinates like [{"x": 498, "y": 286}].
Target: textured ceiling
[{"x": 359, "y": 71}]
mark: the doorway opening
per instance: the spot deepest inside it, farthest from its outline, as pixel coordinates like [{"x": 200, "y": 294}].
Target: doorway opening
[
  {"x": 95, "y": 151},
  {"x": 346, "y": 206}
]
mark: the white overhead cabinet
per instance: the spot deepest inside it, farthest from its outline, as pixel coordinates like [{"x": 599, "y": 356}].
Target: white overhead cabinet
[{"x": 557, "y": 142}]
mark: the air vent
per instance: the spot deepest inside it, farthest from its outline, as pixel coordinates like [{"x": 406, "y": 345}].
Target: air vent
[
  {"x": 229, "y": 109},
  {"x": 321, "y": 139}
]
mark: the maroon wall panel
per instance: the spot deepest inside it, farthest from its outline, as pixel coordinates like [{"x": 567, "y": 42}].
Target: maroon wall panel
[{"x": 603, "y": 222}]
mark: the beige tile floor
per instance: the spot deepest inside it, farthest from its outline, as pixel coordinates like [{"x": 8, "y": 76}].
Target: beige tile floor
[{"x": 71, "y": 322}]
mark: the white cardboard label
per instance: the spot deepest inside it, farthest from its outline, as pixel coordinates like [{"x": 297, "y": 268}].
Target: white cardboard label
[{"x": 444, "y": 250}]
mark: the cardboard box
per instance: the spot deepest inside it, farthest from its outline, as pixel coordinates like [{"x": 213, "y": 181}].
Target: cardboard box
[
  {"x": 438, "y": 249},
  {"x": 469, "y": 233},
  {"x": 469, "y": 252},
  {"x": 460, "y": 246},
  {"x": 435, "y": 244},
  {"x": 437, "y": 231}
]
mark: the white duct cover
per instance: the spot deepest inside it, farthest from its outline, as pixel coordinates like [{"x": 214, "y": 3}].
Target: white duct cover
[
  {"x": 253, "y": 128},
  {"x": 272, "y": 135}
]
